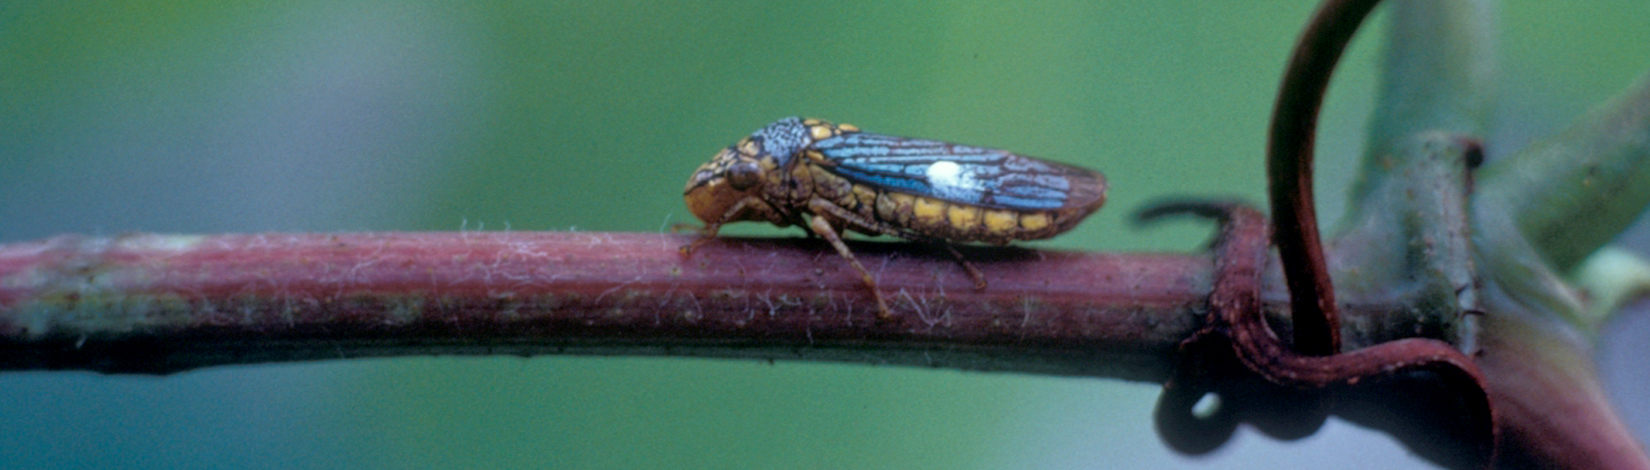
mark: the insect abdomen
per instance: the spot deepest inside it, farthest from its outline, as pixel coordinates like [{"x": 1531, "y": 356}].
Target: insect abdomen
[
  {"x": 933, "y": 218},
  {"x": 927, "y": 218}
]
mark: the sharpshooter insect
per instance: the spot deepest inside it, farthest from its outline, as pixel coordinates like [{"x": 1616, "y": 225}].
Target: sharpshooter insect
[{"x": 915, "y": 189}]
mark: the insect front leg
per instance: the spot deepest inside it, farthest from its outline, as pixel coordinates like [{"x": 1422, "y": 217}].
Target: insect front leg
[{"x": 708, "y": 232}]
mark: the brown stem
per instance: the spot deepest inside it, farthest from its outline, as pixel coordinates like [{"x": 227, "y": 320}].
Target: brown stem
[{"x": 1289, "y": 171}]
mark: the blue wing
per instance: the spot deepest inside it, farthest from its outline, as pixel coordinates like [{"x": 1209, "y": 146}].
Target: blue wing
[{"x": 960, "y": 173}]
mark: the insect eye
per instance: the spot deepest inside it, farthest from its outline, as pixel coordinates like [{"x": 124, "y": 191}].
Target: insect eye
[{"x": 743, "y": 175}]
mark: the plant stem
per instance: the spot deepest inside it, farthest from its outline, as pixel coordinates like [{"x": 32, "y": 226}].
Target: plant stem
[
  {"x": 1575, "y": 191},
  {"x": 1437, "y": 76},
  {"x": 164, "y": 303}
]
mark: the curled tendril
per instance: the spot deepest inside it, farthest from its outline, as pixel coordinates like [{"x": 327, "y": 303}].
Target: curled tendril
[{"x": 1237, "y": 357}]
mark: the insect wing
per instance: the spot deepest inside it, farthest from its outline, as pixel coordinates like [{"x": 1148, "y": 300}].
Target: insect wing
[{"x": 960, "y": 173}]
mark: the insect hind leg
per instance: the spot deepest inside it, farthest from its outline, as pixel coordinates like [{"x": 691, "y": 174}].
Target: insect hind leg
[
  {"x": 973, "y": 272},
  {"x": 824, "y": 229}
]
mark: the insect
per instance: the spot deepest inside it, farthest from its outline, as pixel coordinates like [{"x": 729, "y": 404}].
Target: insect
[{"x": 832, "y": 178}]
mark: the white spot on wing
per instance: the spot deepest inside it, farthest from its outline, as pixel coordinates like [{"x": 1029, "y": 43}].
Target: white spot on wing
[
  {"x": 949, "y": 180},
  {"x": 943, "y": 173}
]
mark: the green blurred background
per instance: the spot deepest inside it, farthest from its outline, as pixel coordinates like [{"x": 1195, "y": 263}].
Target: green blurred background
[{"x": 346, "y": 115}]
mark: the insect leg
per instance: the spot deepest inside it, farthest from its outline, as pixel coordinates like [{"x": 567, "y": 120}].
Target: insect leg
[
  {"x": 705, "y": 235},
  {"x": 708, "y": 233},
  {"x": 680, "y": 226},
  {"x": 823, "y": 228},
  {"x": 973, "y": 273},
  {"x": 819, "y": 206}
]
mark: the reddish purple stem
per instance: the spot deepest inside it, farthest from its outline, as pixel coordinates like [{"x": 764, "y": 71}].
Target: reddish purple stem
[
  {"x": 1289, "y": 172},
  {"x": 162, "y": 303}
]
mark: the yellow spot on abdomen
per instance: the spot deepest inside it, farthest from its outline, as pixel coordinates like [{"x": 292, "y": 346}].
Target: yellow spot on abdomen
[
  {"x": 1034, "y": 222},
  {"x": 962, "y": 217},
  {"x": 928, "y": 213},
  {"x": 895, "y": 207},
  {"x": 1001, "y": 222}
]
